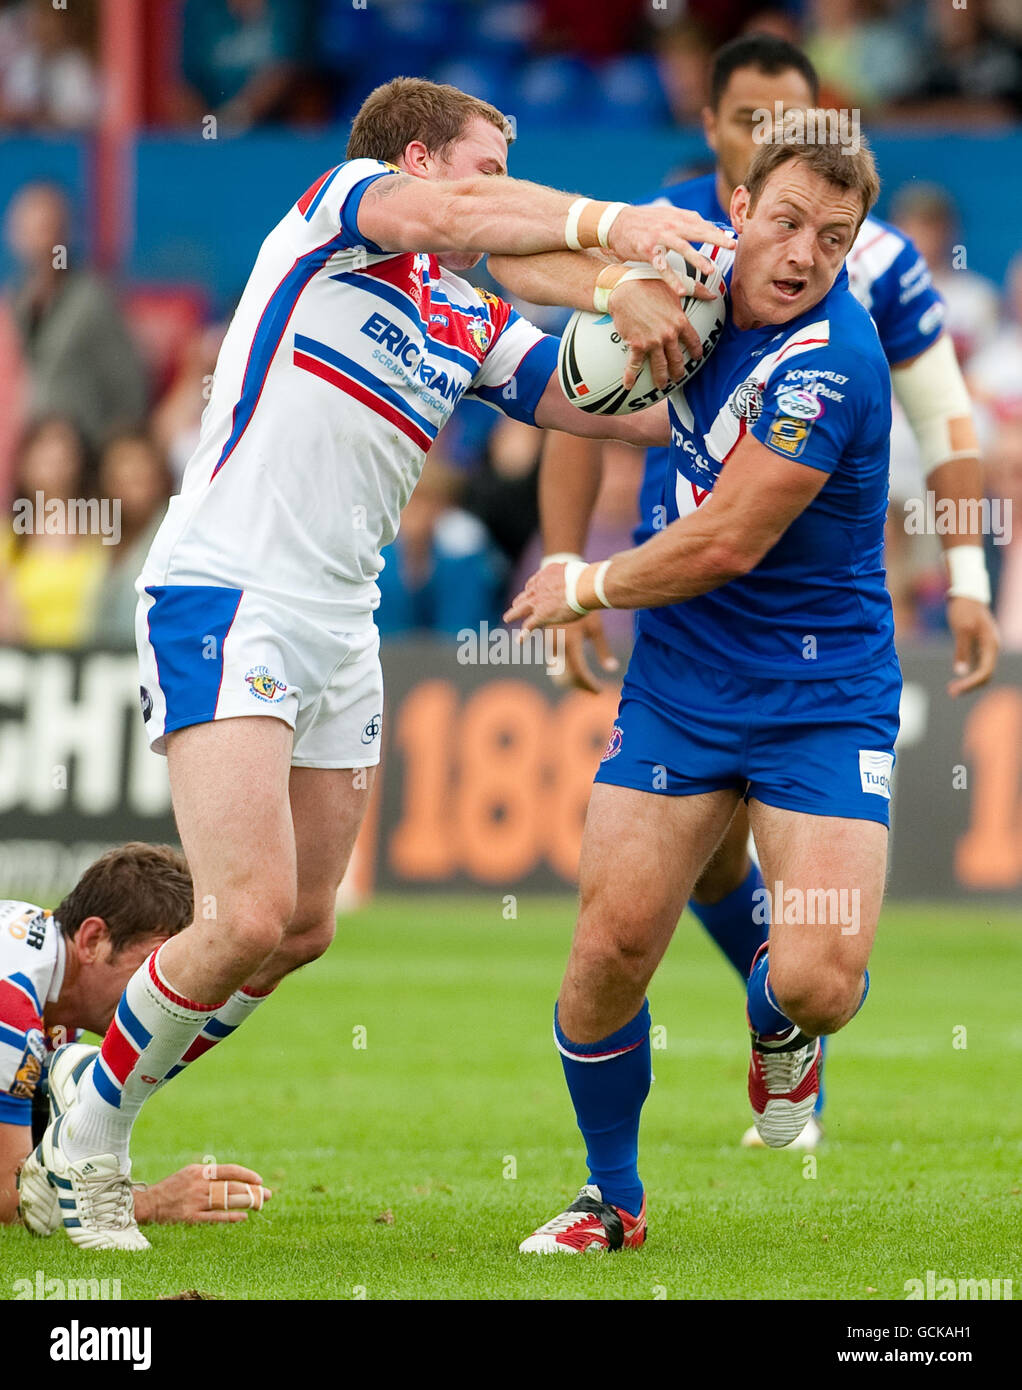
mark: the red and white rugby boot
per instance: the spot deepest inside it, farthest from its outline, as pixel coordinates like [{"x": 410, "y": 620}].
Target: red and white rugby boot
[
  {"x": 784, "y": 1081},
  {"x": 589, "y": 1223}
]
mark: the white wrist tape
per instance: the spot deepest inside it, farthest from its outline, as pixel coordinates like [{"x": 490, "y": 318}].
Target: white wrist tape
[
  {"x": 572, "y": 573},
  {"x": 601, "y": 295},
  {"x": 571, "y": 225},
  {"x": 558, "y": 557},
  {"x": 598, "y": 579},
  {"x": 967, "y": 567},
  {"x": 609, "y": 216},
  {"x": 933, "y": 395}
]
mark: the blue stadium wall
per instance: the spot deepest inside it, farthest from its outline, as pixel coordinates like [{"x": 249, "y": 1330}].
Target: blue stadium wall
[{"x": 203, "y": 206}]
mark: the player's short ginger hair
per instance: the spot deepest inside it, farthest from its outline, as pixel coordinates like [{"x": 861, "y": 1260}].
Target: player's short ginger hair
[
  {"x": 854, "y": 171},
  {"x": 411, "y": 108},
  {"x": 139, "y": 890}
]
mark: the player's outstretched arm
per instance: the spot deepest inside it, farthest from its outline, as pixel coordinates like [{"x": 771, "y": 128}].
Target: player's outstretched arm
[
  {"x": 645, "y": 428},
  {"x": 487, "y": 214},
  {"x": 756, "y": 498},
  {"x": 933, "y": 394},
  {"x": 647, "y": 313},
  {"x": 202, "y": 1192}
]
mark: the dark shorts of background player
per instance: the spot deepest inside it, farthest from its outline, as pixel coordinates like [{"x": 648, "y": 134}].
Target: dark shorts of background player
[{"x": 684, "y": 728}]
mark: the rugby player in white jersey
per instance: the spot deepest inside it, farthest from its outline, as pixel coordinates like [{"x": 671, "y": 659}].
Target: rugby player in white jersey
[
  {"x": 259, "y": 667},
  {"x": 64, "y": 971}
]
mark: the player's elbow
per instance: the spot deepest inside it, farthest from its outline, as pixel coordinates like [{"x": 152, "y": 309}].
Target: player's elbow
[{"x": 725, "y": 559}]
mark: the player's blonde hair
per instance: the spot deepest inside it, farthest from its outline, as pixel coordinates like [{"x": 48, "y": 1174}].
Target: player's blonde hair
[
  {"x": 410, "y": 108},
  {"x": 854, "y": 171}
]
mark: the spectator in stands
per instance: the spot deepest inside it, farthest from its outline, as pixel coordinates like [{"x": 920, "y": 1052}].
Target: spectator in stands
[
  {"x": 864, "y": 59},
  {"x": 134, "y": 474},
  {"x": 994, "y": 373},
  {"x": 973, "y": 71},
  {"x": 176, "y": 419},
  {"x": 241, "y": 59},
  {"x": 1004, "y": 481},
  {"x": 50, "y": 573},
  {"x": 47, "y": 76},
  {"x": 81, "y": 360},
  {"x": 683, "y": 55},
  {"x": 443, "y": 573},
  {"x": 927, "y": 214}
]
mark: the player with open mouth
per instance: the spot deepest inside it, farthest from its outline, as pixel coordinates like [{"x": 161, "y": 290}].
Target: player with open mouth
[{"x": 764, "y": 671}]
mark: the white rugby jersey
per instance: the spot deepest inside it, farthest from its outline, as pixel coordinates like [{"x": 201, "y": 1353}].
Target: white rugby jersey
[
  {"x": 341, "y": 365},
  {"x": 32, "y": 959}
]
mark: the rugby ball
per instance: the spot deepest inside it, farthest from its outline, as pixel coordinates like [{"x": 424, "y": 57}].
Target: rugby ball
[{"x": 592, "y": 357}]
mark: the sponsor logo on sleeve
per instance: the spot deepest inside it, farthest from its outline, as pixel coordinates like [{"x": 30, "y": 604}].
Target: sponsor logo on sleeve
[
  {"x": 802, "y": 404},
  {"x": 789, "y": 436},
  {"x": 30, "y": 1068}
]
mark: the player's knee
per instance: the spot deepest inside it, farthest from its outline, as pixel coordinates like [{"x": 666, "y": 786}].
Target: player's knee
[
  {"x": 613, "y": 953},
  {"x": 309, "y": 934},
  {"x": 821, "y": 1002},
  {"x": 256, "y": 917}
]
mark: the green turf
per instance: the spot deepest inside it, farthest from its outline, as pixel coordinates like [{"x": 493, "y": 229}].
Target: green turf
[{"x": 459, "y": 1086}]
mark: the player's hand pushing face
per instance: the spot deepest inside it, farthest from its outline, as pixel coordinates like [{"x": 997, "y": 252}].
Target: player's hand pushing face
[
  {"x": 203, "y": 1192},
  {"x": 645, "y": 233},
  {"x": 542, "y": 603}
]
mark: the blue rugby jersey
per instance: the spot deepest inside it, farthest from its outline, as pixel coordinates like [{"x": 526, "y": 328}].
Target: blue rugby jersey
[
  {"x": 886, "y": 274},
  {"x": 815, "y": 390}
]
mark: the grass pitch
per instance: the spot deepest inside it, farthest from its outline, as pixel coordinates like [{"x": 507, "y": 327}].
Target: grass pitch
[{"x": 411, "y": 1166}]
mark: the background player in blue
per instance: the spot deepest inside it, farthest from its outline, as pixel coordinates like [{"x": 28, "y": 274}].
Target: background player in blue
[
  {"x": 890, "y": 278},
  {"x": 765, "y": 670}
]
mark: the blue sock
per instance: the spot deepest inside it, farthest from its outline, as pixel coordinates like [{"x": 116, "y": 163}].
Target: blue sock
[
  {"x": 733, "y": 921},
  {"x": 764, "y": 1013},
  {"x": 608, "y": 1082}
]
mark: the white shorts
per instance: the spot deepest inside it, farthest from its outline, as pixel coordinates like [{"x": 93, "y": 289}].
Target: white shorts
[{"x": 208, "y": 652}]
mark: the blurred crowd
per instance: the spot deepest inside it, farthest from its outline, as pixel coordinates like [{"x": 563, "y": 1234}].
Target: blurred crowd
[
  {"x": 101, "y": 393},
  {"x": 106, "y": 418},
  {"x": 258, "y": 62}
]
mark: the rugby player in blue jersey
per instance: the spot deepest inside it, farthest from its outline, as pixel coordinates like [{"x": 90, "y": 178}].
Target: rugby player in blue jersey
[
  {"x": 764, "y": 670},
  {"x": 750, "y": 75}
]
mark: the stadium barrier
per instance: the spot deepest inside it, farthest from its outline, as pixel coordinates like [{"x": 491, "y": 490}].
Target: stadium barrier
[{"x": 485, "y": 778}]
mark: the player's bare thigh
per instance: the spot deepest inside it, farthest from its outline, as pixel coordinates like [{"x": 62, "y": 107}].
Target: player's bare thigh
[
  {"x": 229, "y": 786},
  {"x": 641, "y": 854},
  {"x": 826, "y": 876},
  {"x": 728, "y": 866}
]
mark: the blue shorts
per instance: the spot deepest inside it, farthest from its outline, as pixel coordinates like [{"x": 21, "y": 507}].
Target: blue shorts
[{"x": 822, "y": 747}]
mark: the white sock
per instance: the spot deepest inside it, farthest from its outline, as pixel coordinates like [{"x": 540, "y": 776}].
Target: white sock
[{"x": 152, "y": 1028}]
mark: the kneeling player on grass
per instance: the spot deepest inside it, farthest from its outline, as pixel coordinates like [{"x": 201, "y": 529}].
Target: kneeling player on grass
[
  {"x": 62, "y": 973},
  {"x": 764, "y": 671},
  {"x": 349, "y": 349}
]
